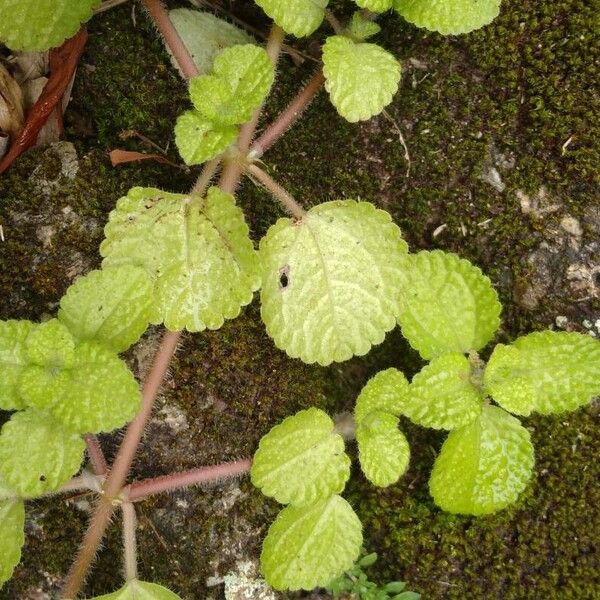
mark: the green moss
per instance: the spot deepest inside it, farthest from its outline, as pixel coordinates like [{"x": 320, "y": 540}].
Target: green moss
[{"x": 524, "y": 86}]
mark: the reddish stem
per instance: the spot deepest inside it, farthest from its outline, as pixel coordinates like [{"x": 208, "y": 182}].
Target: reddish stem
[
  {"x": 97, "y": 458},
  {"x": 161, "y": 19},
  {"x": 289, "y": 116},
  {"x": 233, "y": 171},
  {"x": 166, "y": 483}
]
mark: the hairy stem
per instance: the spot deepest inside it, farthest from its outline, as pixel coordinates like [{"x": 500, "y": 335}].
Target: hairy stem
[
  {"x": 97, "y": 459},
  {"x": 120, "y": 469},
  {"x": 87, "y": 551},
  {"x": 129, "y": 541},
  {"x": 289, "y": 116},
  {"x": 208, "y": 172},
  {"x": 278, "y": 192},
  {"x": 334, "y": 22},
  {"x": 161, "y": 19},
  {"x": 148, "y": 487},
  {"x": 232, "y": 172}
]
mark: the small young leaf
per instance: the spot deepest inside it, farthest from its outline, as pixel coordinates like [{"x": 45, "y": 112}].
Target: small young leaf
[
  {"x": 442, "y": 395},
  {"x": 301, "y": 460},
  {"x": 97, "y": 393},
  {"x": 382, "y": 449},
  {"x": 547, "y": 372},
  {"x": 37, "y": 454},
  {"x": 449, "y": 17},
  {"x": 205, "y": 35},
  {"x": 331, "y": 281},
  {"x": 361, "y": 28},
  {"x": 377, "y": 6},
  {"x": 368, "y": 560},
  {"x": 484, "y": 466},
  {"x": 42, "y": 24},
  {"x": 387, "y": 391},
  {"x": 12, "y": 536},
  {"x": 140, "y": 590},
  {"x": 298, "y": 17},
  {"x": 13, "y": 359},
  {"x": 448, "y": 305},
  {"x": 198, "y": 249},
  {"x": 394, "y": 587},
  {"x": 242, "y": 77},
  {"x": 308, "y": 546},
  {"x": 112, "y": 306},
  {"x": 51, "y": 345},
  {"x": 361, "y": 78},
  {"x": 199, "y": 140},
  {"x": 407, "y": 596}
]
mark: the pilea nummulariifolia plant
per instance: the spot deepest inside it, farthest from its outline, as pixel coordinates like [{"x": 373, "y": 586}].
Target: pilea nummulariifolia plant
[{"x": 333, "y": 281}]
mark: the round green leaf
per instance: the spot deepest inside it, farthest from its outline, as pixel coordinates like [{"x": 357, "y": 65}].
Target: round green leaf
[
  {"x": 387, "y": 391},
  {"x": 442, "y": 395},
  {"x": 383, "y": 451},
  {"x": 242, "y": 77},
  {"x": 361, "y": 78},
  {"x": 198, "y": 139},
  {"x": 51, "y": 345},
  {"x": 12, "y": 536},
  {"x": 484, "y": 466},
  {"x": 13, "y": 359},
  {"x": 98, "y": 393},
  {"x": 205, "y": 35},
  {"x": 298, "y": 17},
  {"x": 448, "y": 305},
  {"x": 37, "y": 454},
  {"x": 450, "y": 16},
  {"x": 331, "y": 281},
  {"x": 377, "y": 6},
  {"x": 112, "y": 306},
  {"x": 301, "y": 460},
  {"x": 42, "y": 24},
  {"x": 140, "y": 590},
  {"x": 547, "y": 372},
  {"x": 198, "y": 250},
  {"x": 308, "y": 546}
]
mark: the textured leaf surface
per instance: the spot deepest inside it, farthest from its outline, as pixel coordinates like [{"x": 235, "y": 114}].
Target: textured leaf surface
[
  {"x": 37, "y": 454},
  {"x": 308, "y": 546},
  {"x": 199, "y": 140},
  {"x": 387, "y": 391},
  {"x": 42, "y": 24},
  {"x": 51, "y": 345},
  {"x": 442, "y": 395},
  {"x": 198, "y": 249},
  {"x": 12, "y": 536},
  {"x": 361, "y": 78},
  {"x": 96, "y": 393},
  {"x": 331, "y": 281},
  {"x": 112, "y": 306},
  {"x": 242, "y": 77},
  {"x": 547, "y": 372},
  {"x": 140, "y": 590},
  {"x": 301, "y": 460},
  {"x": 375, "y": 5},
  {"x": 448, "y": 305},
  {"x": 13, "y": 358},
  {"x": 448, "y": 16},
  {"x": 484, "y": 466},
  {"x": 382, "y": 449},
  {"x": 298, "y": 17},
  {"x": 362, "y": 28},
  {"x": 205, "y": 35}
]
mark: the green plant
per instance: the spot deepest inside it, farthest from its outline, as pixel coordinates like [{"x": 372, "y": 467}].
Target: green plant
[
  {"x": 333, "y": 281},
  {"x": 355, "y": 584}
]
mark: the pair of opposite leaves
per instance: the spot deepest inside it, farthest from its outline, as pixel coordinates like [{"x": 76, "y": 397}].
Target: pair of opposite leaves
[{"x": 303, "y": 17}]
